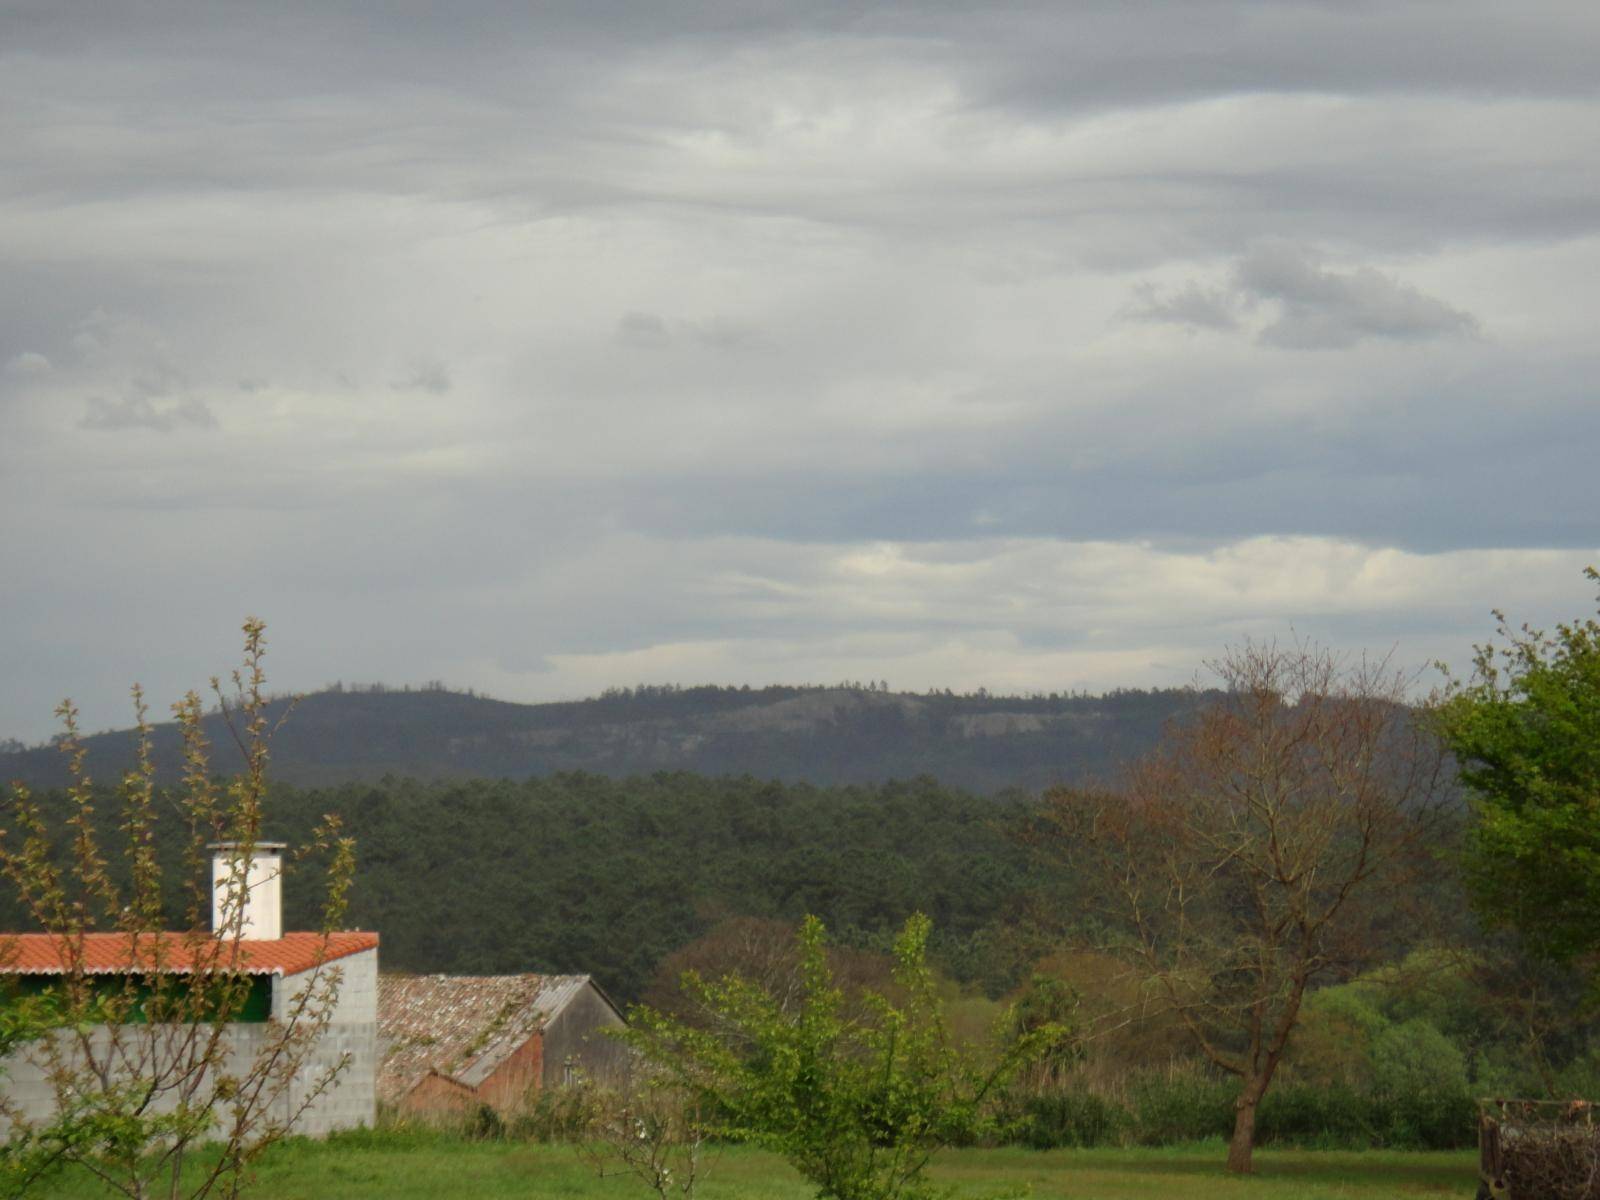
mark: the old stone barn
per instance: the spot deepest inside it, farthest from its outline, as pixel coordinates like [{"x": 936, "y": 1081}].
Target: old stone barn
[{"x": 449, "y": 1043}]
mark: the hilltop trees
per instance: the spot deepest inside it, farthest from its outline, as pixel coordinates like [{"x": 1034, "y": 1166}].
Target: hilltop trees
[{"x": 1258, "y": 851}]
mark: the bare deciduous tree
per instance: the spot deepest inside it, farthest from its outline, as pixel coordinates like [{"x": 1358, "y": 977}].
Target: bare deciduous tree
[
  {"x": 649, "y": 1130},
  {"x": 1263, "y": 846}
]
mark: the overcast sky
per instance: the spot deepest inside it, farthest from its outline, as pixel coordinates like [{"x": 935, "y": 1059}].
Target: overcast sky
[{"x": 545, "y": 347}]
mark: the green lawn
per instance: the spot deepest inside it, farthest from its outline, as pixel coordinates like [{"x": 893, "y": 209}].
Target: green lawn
[{"x": 369, "y": 1167}]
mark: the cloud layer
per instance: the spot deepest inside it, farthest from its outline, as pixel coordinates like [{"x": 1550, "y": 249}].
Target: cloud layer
[{"x": 546, "y": 349}]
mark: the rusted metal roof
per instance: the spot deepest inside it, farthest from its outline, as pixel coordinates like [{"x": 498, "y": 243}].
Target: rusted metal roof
[
  {"x": 460, "y": 1026},
  {"x": 178, "y": 953}
]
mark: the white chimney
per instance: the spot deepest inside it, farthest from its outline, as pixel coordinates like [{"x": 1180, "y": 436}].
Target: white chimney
[{"x": 263, "y": 891}]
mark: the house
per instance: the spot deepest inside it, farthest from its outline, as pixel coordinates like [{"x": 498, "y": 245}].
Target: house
[
  {"x": 279, "y": 967},
  {"x": 448, "y": 1043}
]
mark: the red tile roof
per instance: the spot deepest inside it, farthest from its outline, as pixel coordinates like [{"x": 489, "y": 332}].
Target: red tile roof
[{"x": 119, "y": 953}]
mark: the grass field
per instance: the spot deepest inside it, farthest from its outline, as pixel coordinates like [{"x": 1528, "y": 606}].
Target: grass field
[{"x": 379, "y": 1166}]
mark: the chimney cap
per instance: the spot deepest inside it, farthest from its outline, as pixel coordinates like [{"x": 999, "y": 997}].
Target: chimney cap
[{"x": 269, "y": 847}]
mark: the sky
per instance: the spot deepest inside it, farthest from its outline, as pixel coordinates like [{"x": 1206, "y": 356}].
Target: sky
[{"x": 542, "y": 348}]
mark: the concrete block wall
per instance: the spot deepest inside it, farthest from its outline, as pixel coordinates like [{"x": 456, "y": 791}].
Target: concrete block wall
[
  {"x": 351, "y": 1101},
  {"x": 26, "y": 1088}
]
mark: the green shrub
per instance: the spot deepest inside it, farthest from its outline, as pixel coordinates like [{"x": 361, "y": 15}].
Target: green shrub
[
  {"x": 1437, "y": 1118},
  {"x": 857, "y": 1094},
  {"x": 1066, "y": 1117},
  {"x": 1316, "y": 1116},
  {"x": 1414, "y": 1057},
  {"x": 1420, "y": 1088},
  {"x": 1180, "y": 1105}
]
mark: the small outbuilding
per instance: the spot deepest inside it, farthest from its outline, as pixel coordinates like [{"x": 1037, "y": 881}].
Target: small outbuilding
[
  {"x": 279, "y": 966},
  {"x": 449, "y": 1043}
]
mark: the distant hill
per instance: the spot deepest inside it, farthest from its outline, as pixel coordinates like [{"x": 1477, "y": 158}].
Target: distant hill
[{"x": 819, "y": 735}]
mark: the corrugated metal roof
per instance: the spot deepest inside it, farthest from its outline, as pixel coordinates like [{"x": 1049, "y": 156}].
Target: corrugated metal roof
[
  {"x": 122, "y": 953},
  {"x": 461, "y": 1026}
]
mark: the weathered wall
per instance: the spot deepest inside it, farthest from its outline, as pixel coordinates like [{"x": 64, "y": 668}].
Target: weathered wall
[
  {"x": 574, "y": 1041},
  {"x": 509, "y": 1088},
  {"x": 353, "y": 1031},
  {"x": 436, "y": 1096}
]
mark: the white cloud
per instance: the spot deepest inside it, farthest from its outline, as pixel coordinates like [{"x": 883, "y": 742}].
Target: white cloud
[
  {"x": 29, "y": 362},
  {"x": 1034, "y": 614}
]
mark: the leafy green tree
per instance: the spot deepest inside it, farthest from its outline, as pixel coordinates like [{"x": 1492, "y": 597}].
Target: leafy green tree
[
  {"x": 24, "y": 1019},
  {"x": 1047, "y": 1003},
  {"x": 857, "y": 1094},
  {"x": 1525, "y": 731},
  {"x": 1414, "y": 1057}
]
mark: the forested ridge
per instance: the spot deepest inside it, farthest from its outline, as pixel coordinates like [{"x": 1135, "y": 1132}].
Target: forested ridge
[{"x": 851, "y": 733}]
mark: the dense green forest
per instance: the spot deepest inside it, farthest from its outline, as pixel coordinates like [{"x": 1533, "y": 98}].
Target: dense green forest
[
  {"x": 852, "y": 733},
  {"x": 578, "y": 872},
  {"x": 581, "y": 873}
]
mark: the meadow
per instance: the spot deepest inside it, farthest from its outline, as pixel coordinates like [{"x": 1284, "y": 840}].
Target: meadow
[{"x": 384, "y": 1166}]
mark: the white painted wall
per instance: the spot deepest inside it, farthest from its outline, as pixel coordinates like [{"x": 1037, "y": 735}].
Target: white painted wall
[{"x": 263, "y": 889}]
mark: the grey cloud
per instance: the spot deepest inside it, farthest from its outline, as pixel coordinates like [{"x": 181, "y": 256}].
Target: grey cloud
[
  {"x": 721, "y": 333},
  {"x": 1182, "y": 457},
  {"x": 1191, "y": 305},
  {"x": 1317, "y": 308},
  {"x": 647, "y": 330},
  {"x": 1329, "y": 310},
  {"x": 140, "y": 411},
  {"x": 1101, "y": 51},
  {"x": 157, "y": 398},
  {"x": 643, "y": 330},
  {"x": 432, "y": 378},
  {"x": 1115, "y": 54},
  {"x": 575, "y": 108}
]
